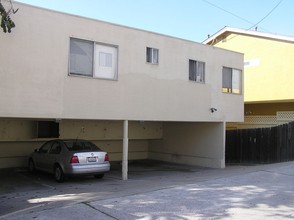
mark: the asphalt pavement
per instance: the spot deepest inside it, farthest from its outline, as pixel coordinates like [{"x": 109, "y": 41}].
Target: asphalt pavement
[{"x": 154, "y": 191}]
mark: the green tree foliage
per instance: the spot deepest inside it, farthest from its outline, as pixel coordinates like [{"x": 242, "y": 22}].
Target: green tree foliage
[{"x": 6, "y": 23}]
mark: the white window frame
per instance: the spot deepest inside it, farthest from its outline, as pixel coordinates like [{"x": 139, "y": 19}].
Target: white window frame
[
  {"x": 152, "y": 55},
  {"x": 101, "y": 67},
  {"x": 231, "y": 80},
  {"x": 197, "y": 71}
]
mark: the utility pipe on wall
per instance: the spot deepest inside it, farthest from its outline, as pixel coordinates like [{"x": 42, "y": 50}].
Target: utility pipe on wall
[{"x": 125, "y": 150}]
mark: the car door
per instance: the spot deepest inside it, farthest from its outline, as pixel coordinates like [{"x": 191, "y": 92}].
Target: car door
[
  {"x": 53, "y": 156},
  {"x": 42, "y": 155}
]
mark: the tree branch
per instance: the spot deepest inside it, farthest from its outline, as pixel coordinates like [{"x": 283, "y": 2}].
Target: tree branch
[{"x": 6, "y": 22}]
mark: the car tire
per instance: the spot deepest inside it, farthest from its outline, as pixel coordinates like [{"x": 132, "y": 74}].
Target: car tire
[
  {"x": 32, "y": 167},
  {"x": 99, "y": 176},
  {"x": 58, "y": 174}
]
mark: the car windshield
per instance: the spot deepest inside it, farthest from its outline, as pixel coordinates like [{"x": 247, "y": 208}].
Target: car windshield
[{"x": 80, "y": 146}]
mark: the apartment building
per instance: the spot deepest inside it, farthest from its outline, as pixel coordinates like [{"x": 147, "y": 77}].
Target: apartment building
[
  {"x": 268, "y": 74},
  {"x": 134, "y": 93}
]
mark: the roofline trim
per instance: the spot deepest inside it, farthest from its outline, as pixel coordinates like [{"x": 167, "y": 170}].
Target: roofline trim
[{"x": 248, "y": 32}]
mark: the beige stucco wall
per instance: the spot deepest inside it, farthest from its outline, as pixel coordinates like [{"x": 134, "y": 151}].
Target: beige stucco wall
[
  {"x": 18, "y": 138},
  {"x": 201, "y": 144},
  {"x": 15, "y": 153},
  {"x": 185, "y": 143},
  {"x": 35, "y": 82}
]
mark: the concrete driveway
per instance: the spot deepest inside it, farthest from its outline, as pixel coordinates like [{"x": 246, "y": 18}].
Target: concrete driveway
[{"x": 156, "y": 191}]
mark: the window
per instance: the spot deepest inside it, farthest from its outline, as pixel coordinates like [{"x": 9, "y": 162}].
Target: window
[
  {"x": 232, "y": 80},
  {"x": 76, "y": 145},
  {"x": 45, "y": 148},
  {"x": 152, "y": 55},
  {"x": 56, "y": 148},
  {"x": 105, "y": 62},
  {"x": 88, "y": 58},
  {"x": 196, "y": 71}
]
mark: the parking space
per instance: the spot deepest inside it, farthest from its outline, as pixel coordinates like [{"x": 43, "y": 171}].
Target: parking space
[
  {"x": 154, "y": 190},
  {"x": 20, "y": 179},
  {"x": 21, "y": 190}
]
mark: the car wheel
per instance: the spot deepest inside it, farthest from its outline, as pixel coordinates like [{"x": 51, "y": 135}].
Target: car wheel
[
  {"x": 58, "y": 174},
  {"x": 32, "y": 168},
  {"x": 99, "y": 176}
]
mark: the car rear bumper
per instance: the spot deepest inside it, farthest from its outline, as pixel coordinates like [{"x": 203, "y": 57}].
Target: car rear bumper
[{"x": 88, "y": 169}]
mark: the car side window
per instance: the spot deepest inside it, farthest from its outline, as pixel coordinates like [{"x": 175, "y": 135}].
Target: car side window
[
  {"x": 45, "y": 148},
  {"x": 56, "y": 148}
]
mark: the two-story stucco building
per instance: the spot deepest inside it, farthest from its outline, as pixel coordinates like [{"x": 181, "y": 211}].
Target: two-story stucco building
[{"x": 132, "y": 92}]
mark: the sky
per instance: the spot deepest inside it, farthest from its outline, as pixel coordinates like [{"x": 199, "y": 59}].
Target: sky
[{"x": 188, "y": 19}]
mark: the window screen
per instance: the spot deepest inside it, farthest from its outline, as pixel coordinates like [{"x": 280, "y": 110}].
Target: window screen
[
  {"x": 152, "y": 55},
  {"x": 232, "y": 80},
  {"x": 196, "y": 71},
  {"x": 81, "y": 57},
  {"x": 227, "y": 78}
]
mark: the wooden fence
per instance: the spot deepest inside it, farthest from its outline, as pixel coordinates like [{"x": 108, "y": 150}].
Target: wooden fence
[{"x": 260, "y": 145}]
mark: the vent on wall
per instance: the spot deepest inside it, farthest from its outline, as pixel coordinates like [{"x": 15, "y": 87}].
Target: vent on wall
[{"x": 47, "y": 129}]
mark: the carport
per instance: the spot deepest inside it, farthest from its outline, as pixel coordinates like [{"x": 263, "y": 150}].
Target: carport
[
  {"x": 181, "y": 143},
  {"x": 191, "y": 143}
]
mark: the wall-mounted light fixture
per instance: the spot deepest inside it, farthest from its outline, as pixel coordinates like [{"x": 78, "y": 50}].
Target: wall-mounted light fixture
[{"x": 213, "y": 110}]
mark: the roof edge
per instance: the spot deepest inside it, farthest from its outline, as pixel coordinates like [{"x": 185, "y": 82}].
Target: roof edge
[
  {"x": 249, "y": 33},
  {"x": 105, "y": 22}
]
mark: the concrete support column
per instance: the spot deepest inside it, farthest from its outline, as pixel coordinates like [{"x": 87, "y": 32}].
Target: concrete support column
[
  {"x": 223, "y": 161},
  {"x": 125, "y": 150}
]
